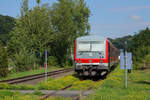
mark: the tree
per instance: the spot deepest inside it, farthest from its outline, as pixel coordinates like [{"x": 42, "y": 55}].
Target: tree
[
  {"x": 140, "y": 47},
  {"x": 31, "y": 35},
  {"x": 3, "y": 62},
  {"x": 119, "y": 42},
  {"x": 69, "y": 20},
  {"x": 6, "y": 25},
  {"x": 24, "y": 8},
  {"x": 53, "y": 28}
]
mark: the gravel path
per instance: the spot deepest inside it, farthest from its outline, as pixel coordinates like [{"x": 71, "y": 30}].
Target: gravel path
[{"x": 64, "y": 93}]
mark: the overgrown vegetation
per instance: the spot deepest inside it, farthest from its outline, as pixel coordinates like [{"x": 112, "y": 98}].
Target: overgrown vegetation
[
  {"x": 139, "y": 45},
  {"x": 141, "y": 48},
  {"x": 52, "y": 28},
  {"x": 9, "y": 95},
  {"x": 7, "y": 23},
  {"x": 3, "y": 62},
  {"x": 119, "y": 42},
  {"x": 56, "y": 84},
  {"x": 31, "y": 72},
  {"x": 113, "y": 87}
]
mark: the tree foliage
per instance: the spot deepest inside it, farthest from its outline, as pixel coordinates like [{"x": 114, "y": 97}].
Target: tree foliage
[
  {"x": 69, "y": 20},
  {"x": 6, "y": 25},
  {"x": 3, "y": 62},
  {"x": 43, "y": 27},
  {"x": 120, "y": 42},
  {"x": 141, "y": 47},
  {"x": 24, "y": 60},
  {"x": 31, "y": 36}
]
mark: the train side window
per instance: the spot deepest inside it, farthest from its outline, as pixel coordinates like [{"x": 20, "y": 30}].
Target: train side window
[
  {"x": 112, "y": 52},
  {"x": 109, "y": 51}
]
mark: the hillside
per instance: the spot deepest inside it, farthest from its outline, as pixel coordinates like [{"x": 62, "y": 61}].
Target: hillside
[
  {"x": 139, "y": 45},
  {"x": 6, "y": 25}
]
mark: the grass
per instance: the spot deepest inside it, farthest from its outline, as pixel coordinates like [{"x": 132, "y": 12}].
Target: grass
[
  {"x": 31, "y": 72},
  {"x": 83, "y": 85},
  {"x": 59, "y": 98},
  {"x": 8, "y": 95},
  {"x": 110, "y": 89},
  {"x": 114, "y": 89},
  {"x": 55, "y": 84}
]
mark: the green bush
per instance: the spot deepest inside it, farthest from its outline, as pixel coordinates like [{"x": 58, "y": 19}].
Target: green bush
[
  {"x": 146, "y": 62},
  {"x": 24, "y": 60},
  {"x": 3, "y": 62},
  {"x": 140, "y": 47},
  {"x": 141, "y": 60},
  {"x": 3, "y": 72},
  {"x": 137, "y": 65},
  {"x": 52, "y": 61}
]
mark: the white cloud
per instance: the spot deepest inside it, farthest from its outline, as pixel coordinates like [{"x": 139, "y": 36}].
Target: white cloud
[
  {"x": 130, "y": 8},
  {"x": 135, "y": 18}
]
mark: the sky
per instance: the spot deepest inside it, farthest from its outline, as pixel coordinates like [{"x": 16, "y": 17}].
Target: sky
[{"x": 109, "y": 18}]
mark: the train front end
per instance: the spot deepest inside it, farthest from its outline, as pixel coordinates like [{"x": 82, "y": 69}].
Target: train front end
[{"x": 91, "y": 57}]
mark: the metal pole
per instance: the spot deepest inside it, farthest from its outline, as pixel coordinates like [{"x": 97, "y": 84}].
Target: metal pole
[
  {"x": 125, "y": 71},
  {"x": 45, "y": 65},
  {"x": 125, "y": 64}
]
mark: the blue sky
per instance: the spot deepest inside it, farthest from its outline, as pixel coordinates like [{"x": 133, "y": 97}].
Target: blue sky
[{"x": 110, "y": 18}]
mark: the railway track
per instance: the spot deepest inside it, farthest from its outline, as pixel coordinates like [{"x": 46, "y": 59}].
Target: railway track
[
  {"x": 82, "y": 92},
  {"x": 74, "y": 98},
  {"x": 53, "y": 93},
  {"x": 36, "y": 76},
  {"x": 90, "y": 88}
]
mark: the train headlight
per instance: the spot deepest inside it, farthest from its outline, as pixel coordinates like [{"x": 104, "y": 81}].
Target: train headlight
[
  {"x": 79, "y": 61},
  {"x": 75, "y": 62},
  {"x": 101, "y": 61}
]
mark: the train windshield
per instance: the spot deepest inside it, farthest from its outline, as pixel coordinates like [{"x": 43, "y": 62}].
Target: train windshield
[{"x": 93, "y": 49}]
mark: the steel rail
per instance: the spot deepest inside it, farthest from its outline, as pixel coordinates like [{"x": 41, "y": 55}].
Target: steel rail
[
  {"x": 51, "y": 94},
  {"x": 35, "y": 76},
  {"x": 82, "y": 92}
]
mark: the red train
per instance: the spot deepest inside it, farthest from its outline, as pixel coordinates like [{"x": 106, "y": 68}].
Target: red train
[{"x": 94, "y": 55}]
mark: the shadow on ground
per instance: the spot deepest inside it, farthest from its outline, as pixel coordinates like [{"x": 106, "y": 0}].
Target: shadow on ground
[{"x": 143, "y": 82}]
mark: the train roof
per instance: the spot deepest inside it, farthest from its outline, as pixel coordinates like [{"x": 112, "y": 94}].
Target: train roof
[{"x": 91, "y": 38}]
